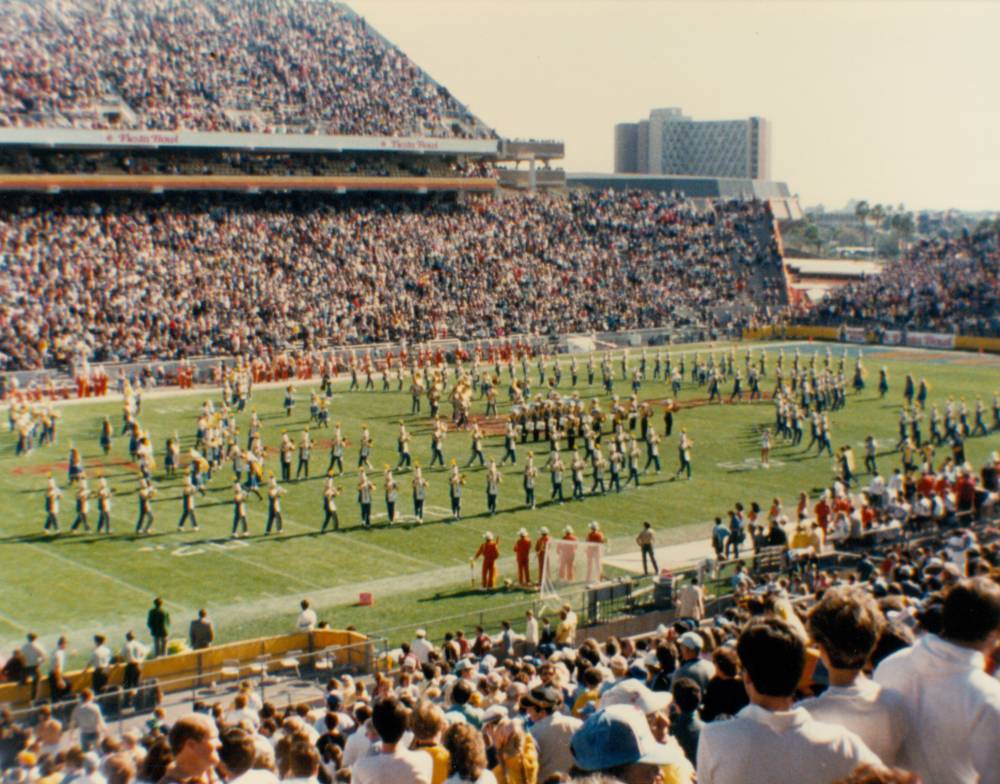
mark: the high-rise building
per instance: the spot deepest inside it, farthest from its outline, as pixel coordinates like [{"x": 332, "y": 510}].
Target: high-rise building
[{"x": 670, "y": 143}]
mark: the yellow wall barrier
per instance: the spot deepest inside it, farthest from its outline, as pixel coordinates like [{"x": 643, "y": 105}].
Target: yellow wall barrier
[
  {"x": 791, "y": 332},
  {"x": 192, "y": 668},
  {"x": 803, "y": 332},
  {"x": 761, "y": 333},
  {"x": 970, "y": 343}
]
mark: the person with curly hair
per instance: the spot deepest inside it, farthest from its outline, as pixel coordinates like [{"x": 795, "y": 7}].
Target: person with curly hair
[{"x": 468, "y": 755}]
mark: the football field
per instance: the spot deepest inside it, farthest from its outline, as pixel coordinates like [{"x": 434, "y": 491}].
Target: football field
[{"x": 82, "y": 583}]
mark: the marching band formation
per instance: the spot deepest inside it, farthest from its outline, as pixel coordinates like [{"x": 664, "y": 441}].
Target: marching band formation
[{"x": 595, "y": 448}]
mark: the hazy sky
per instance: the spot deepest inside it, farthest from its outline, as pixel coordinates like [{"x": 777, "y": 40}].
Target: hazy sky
[{"x": 889, "y": 101}]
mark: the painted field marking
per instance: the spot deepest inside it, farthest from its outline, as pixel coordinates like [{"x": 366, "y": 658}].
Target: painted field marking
[
  {"x": 103, "y": 575},
  {"x": 749, "y": 464}
]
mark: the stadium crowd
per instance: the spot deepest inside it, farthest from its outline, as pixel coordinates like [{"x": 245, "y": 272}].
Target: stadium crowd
[
  {"x": 865, "y": 675},
  {"x": 126, "y": 278},
  {"x": 258, "y": 65},
  {"x": 940, "y": 285}
]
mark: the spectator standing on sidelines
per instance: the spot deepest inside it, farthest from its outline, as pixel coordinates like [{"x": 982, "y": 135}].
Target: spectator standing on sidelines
[
  {"x": 307, "y": 618},
  {"x": 201, "y": 631},
  {"x": 133, "y": 654},
  {"x": 158, "y": 623},
  {"x": 34, "y": 657},
  {"x": 646, "y": 541}
]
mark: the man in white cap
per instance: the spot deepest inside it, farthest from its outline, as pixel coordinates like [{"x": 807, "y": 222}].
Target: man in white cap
[
  {"x": 701, "y": 671},
  {"x": 522, "y": 551},
  {"x": 567, "y": 555},
  {"x": 490, "y": 552},
  {"x": 541, "y": 545},
  {"x": 420, "y": 647},
  {"x": 595, "y": 545}
]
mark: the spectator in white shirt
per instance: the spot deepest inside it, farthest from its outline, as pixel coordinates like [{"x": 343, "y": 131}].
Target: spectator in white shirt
[
  {"x": 954, "y": 705},
  {"x": 87, "y": 717},
  {"x": 394, "y": 762},
  {"x": 876, "y": 489},
  {"x": 361, "y": 742},
  {"x": 307, "y": 618},
  {"x": 59, "y": 687},
  {"x": 691, "y": 601},
  {"x": 845, "y": 626},
  {"x": 420, "y": 647},
  {"x": 241, "y": 712},
  {"x": 34, "y": 656},
  {"x": 91, "y": 770},
  {"x": 530, "y": 633},
  {"x": 100, "y": 663},
  {"x": 133, "y": 654},
  {"x": 770, "y": 740},
  {"x": 896, "y": 482}
]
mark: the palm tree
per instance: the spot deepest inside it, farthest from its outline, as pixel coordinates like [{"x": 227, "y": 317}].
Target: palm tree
[
  {"x": 811, "y": 235},
  {"x": 877, "y": 214},
  {"x": 861, "y": 211}
]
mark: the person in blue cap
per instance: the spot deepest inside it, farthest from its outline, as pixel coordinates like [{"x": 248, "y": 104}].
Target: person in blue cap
[{"x": 618, "y": 742}]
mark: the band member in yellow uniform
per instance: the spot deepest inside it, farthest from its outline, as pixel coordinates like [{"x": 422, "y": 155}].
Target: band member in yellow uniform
[
  {"x": 330, "y": 493},
  {"x": 274, "y": 518}
]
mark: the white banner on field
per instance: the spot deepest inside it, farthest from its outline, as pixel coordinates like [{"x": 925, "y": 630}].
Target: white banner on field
[
  {"x": 578, "y": 344},
  {"x": 930, "y": 340},
  {"x": 855, "y": 335},
  {"x": 287, "y": 142},
  {"x": 892, "y": 337}
]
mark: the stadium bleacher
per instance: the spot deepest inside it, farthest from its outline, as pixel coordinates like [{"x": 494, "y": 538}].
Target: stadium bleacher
[
  {"x": 275, "y": 66},
  {"x": 945, "y": 285},
  {"x": 310, "y": 271}
]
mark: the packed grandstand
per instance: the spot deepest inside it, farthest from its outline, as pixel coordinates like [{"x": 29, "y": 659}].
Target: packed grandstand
[
  {"x": 857, "y": 643},
  {"x": 942, "y": 284},
  {"x": 224, "y": 275},
  {"x": 273, "y": 66}
]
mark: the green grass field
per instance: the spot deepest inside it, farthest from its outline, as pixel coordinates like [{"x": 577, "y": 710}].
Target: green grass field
[{"x": 78, "y": 584}]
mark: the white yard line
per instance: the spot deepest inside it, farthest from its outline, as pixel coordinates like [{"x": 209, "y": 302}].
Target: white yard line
[
  {"x": 12, "y": 622},
  {"x": 97, "y": 572},
  {"x": 357, "y": 540}
]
